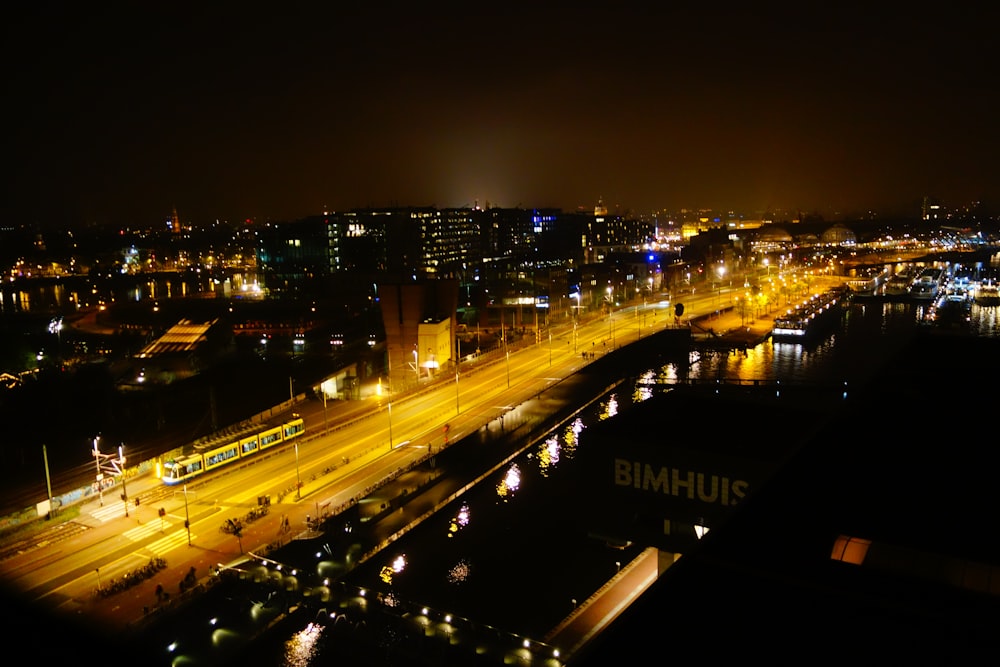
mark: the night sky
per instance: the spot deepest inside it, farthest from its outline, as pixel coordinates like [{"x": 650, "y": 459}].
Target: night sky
[{"x": 238, "y": 111}]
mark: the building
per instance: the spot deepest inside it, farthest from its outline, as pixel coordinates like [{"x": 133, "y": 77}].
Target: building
[
  {"x": 420, "y": 329},
  {"x": 182, "y": 351},
  {"x": 849, "y": 541}
]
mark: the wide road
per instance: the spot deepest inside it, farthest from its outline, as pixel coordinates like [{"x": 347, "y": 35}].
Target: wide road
[{"x": 348, "y": 449}]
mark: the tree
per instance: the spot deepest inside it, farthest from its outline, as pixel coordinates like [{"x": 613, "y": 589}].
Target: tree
[{"x": 234, "y": 527}]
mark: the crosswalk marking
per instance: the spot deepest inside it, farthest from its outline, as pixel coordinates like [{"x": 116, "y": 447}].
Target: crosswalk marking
[
  {"x": 108, "y": 512},
  {"x": 147, "y": 529},
  {"x": 170, "y": 542}
]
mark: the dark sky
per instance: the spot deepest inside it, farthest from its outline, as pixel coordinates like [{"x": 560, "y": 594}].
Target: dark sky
[{"x": 118, "y": 114}]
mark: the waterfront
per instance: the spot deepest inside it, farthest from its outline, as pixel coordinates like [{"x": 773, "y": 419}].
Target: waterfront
[
  {"x": 535, "y": 537},
  {"x": 512, "y": 554}
]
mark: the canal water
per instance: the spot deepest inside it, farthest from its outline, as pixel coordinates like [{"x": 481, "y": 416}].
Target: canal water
[{"x": 511, "y": 554}]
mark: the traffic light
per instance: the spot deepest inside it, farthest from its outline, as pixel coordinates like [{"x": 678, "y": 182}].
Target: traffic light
[{"x": 163, "y": 512}]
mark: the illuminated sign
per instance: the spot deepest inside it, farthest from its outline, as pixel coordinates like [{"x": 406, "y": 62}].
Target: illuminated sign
[{"x": 703, "y": 487}]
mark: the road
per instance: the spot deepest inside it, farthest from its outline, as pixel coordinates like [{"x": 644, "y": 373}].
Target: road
[{"x": 349, "y": 450}]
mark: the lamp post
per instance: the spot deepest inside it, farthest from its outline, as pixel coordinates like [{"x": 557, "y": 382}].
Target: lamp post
[
  {"x": 507, "y": 353},
  {"x": 187, "y": 517},
  {"x": 326, "y": 428},
  {"x": 121, "y": 463},
  {"x": 48, "y": 480},
  {"x": 298, "y": 480},
  {"x": 722, "y": 272},
  {"x": 388, "y": 389},
  {"x": 100, "y": 475},
  {"x": 389, "y": 404}
]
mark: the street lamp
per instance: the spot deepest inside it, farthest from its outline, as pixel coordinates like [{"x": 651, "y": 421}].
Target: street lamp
[
  {"x": 388, "y": 390},
  {"x": 458, "y": 365},
  {"x": 507, "y": 352},
  {"x": 121, "y": 464},
  {"x": 100, "y": 475},
  {"x": 722, "y": 272},
  {"x": 187, "y": 517},
  {"x": 298, "y": 480}
]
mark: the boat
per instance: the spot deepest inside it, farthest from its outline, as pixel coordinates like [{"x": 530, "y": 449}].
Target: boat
[
  {"x": 868, "y": 285},
  {"x": 927, "y": 284},
  {"x": 816, "y": 316},
  {"x": 898, "y": 284},
  {"x": 987, "y": 294},
  {"x": 950, "y": 311}
]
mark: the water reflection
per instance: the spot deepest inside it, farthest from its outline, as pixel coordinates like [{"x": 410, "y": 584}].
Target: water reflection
[
  {"x": 459, "y": 521},
  {"x": 525, "y": 539},
  {"x": 301, "y": 648},
  {"x": 74, "y": 293},
  {"x": 548, "y": 455},
  {"x": 510, "y": 483}
]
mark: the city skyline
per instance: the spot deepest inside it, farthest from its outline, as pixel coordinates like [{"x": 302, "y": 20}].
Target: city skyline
[{"x": 121, "y": 117}]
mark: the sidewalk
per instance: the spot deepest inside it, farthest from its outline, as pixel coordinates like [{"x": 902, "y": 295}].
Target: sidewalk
[
  {"x": 728, "y": 329},
  {"x": 146, "y": 532}
]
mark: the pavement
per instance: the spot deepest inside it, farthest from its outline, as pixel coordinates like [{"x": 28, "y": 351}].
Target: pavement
[
  {"x": 726, "y": 328},
  {"x": 190, "y": 567},
  {"x": 47, "y": 567}
]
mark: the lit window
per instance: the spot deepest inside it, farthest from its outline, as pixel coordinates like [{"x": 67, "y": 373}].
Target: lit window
[{"x": 850, "y": 549}]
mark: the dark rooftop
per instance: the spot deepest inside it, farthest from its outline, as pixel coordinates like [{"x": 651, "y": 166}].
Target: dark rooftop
[{"x": 875, "y": 541}]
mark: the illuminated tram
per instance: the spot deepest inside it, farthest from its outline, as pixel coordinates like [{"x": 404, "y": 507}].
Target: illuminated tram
[{"x": 182, "y": 469}]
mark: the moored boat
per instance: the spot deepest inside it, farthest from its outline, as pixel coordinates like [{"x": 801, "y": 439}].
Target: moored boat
[
  {"x": 810, "y": 319},
  {"x": 987, "y": 294},
  {"x": 927, "y": 283}
]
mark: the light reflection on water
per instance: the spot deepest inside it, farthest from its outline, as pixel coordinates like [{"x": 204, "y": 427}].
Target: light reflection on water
[
  {"x": 869, "y": 333},
  {"x": 80, "y": 292},
  {"x": 485, "y": 569}
]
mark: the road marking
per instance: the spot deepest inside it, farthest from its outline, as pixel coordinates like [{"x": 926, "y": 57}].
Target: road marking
[
  {"x": 145, "y": 530},
  {"x": 108, "y": 512},
  {"x": 170, "y": 542}
]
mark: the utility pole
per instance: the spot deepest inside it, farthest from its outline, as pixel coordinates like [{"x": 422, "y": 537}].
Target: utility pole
[
  {"x": 120, "y": 467},
  {"x": 100, "y": 475},
  {"x": 187, "y": 517},
  {"x": 298, "y": 480},
  {"x": 48, "y": 481},
  {"x": 388, "y": 362},
  {"x": 326, "y": 428}
]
